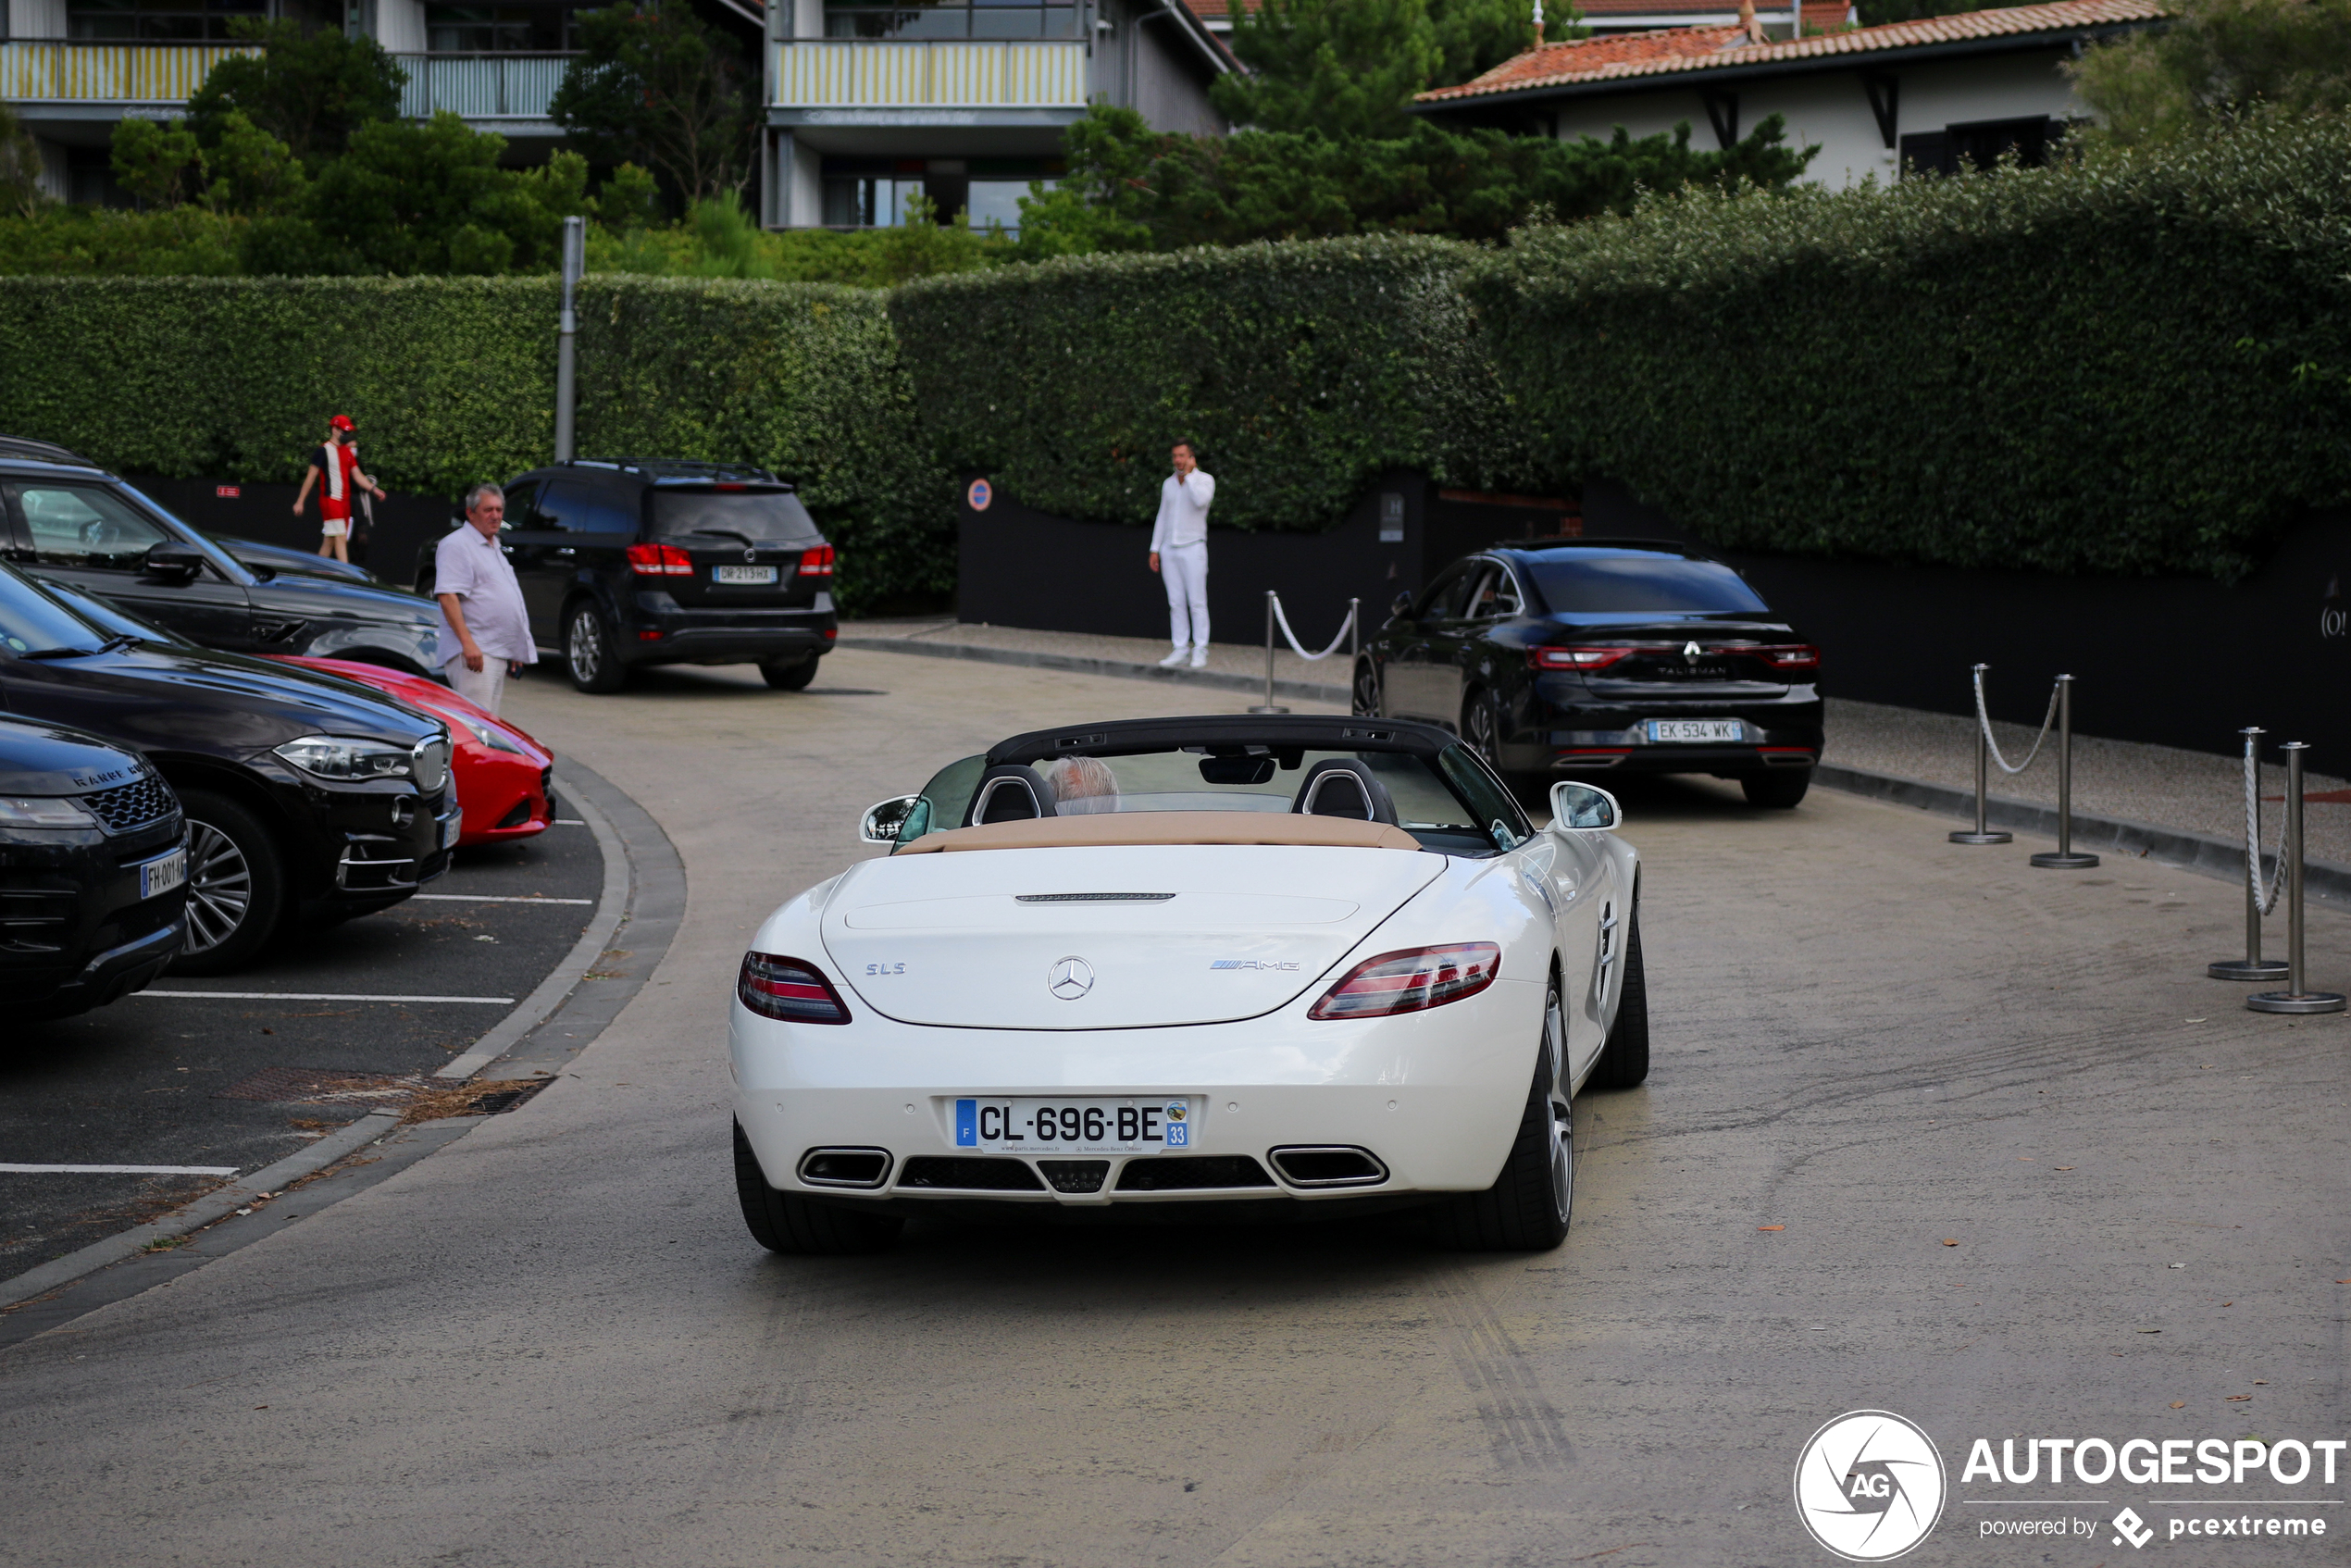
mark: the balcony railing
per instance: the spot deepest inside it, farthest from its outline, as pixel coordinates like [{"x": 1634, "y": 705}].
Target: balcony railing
[
  {"x": 480, "y": 86},
  {"x": 826, "y": 74},
  {"x": 60, "y": 71}
]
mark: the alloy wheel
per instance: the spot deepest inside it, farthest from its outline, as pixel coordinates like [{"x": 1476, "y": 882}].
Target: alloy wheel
[
  {"x": 219, "y": 887},
  {"x": 585, "y": 648},
  {"x": 1367, "y": 689},
  {"x": 1563, "y": 1116},
  {"x": 1481, "y": 728}
]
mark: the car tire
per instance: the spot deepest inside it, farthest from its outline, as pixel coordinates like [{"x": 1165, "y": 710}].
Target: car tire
[
  {"x": 1527, "y": 1210},
  {"x": 1779, "y": 790},
  {"x": 236, "y": 885},
  {"x": 1366, "y": 692},
  {"x": 1482, "y": 728},
  {"x": 790, "y": 1223},
  {"x": 591, "y": 657},
  {"x": 1625, "y": 1060},
  {"x": 788, "y": 677}
]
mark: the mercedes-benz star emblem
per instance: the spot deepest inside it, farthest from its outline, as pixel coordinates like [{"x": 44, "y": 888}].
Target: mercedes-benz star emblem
[{"x": 1070, "y": 978}]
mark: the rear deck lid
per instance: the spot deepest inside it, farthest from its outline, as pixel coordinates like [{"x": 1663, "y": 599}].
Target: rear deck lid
[
  {"x": 1107, "y": 937},
  {"x": 750, "y": 546}
]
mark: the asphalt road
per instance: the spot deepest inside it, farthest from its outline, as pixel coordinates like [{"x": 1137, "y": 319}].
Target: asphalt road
[
  {"x": 162, "y": 1079},
  {"x": 551, "y": 1342}
]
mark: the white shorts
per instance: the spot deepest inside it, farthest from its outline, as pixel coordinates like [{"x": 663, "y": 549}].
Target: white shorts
[{"x": 334, "y": 527}]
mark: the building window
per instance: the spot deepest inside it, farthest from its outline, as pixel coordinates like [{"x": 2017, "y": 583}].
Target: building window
[
  {"x": 502, "y": 30},
  {"x": 158, "y": 21},
  {"x": 1981, "y": 145},
  {"x": 868, "y": 201},
  {"x": 988, "y": 20}
]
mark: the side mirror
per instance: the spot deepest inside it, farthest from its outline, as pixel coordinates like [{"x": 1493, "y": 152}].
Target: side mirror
[
  {"x": 174, "y": 562},
  {"x": 1402, "y": 607},
  {"x": 1582, "y": 807},
  {"x": 886, "y": 818}
]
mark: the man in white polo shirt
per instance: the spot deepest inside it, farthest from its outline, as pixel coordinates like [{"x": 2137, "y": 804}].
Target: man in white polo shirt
[
  {"x": 485, "y": 630},
  {"x": 1179, "y": 554}
]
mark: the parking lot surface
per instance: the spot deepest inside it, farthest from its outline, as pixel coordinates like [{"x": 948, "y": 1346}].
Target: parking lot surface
[
  {"x": 1928, "y": 1131},
  {"x": 231, "y": 1073}
]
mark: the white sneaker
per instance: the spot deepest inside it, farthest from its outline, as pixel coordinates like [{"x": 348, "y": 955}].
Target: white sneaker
[
  {"x": 1173, "y": 659},
  {"x": 1200, "y": 658}
]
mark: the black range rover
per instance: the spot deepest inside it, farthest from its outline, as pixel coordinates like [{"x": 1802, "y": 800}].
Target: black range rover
[
  {"x": 639, "y": 561},
  {"x": 1629, "y": 656},
  {"x": 306, "y": 797},
  {"x": 93, "y": 870}
]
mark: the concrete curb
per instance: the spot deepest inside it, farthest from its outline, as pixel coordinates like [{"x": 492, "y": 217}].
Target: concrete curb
[
  {"x": 611, "y": 906},
  {"x": 2173, "y": 846},
  {"x": 1305, "y": 691},
  {"x": 225, "y": 1199}
]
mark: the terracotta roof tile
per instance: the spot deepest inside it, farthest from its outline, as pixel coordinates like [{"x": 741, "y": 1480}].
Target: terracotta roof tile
[{"x": 1674, "y": 50}]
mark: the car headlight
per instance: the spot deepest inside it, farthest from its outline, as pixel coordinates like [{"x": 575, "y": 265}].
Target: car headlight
[
  {"x": 43, "y": 811},
  {"x": 337, "y": 758},
  {"x": 479, "y": 731}
]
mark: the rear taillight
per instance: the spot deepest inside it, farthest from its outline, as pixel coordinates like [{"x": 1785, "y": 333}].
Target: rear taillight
[
  {"x": 1575, "y": 658},
  {"x": 817, "y": 562},
  {"x": 660, "y": 560},
  {"x": 775, "y": 987},
  {"x": 1410, "y": 982},
  {"x": 1790, "y": 657}
]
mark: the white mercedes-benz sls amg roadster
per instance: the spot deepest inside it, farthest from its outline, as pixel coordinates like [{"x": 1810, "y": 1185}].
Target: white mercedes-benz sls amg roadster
[{"x": 1239, "y": 966}]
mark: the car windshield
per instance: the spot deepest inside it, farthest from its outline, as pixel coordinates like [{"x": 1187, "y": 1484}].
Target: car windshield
[
  {"x": 33, "y": 623},
  {"x": 763, "y": 516},
  {"x": 1580, "y": 583},
  {"x": 1452, "y": 805}
]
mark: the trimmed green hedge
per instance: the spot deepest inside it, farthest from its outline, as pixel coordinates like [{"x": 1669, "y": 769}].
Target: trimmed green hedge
[
  {"x": 2133, "y": 365},
  {"x": 1301, "y": 370},
  {"x": 450, "y": 379}
]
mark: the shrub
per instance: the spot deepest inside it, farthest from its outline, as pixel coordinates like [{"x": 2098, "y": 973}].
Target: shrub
[
  {"x": 451, "y": 381},
  {"x": 2138, "y": 362},
  {"x": 1303, "y": 370}
]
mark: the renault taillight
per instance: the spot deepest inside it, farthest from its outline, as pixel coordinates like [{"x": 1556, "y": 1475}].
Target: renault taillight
[
  {"x": 1412, "y": 980},
  {"x": 1575, "y": 658}
]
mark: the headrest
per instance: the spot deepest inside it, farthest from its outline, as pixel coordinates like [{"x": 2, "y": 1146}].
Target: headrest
[
  {"x": 1009, "y": 792},
  {"x": 1343, "y": 787}
]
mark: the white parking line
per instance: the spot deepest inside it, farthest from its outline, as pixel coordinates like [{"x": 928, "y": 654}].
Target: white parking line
[
  {"x": 326, "y": 996},
  {"x": 493, "y": 897},
  {"x": 118, "y": 1170}
]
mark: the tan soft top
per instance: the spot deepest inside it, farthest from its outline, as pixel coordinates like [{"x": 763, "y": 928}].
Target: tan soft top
[{"x": 1100, "y": 829}]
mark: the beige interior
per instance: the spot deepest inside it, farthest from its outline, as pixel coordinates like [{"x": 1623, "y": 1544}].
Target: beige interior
[{"x": 1099, "y": 829}]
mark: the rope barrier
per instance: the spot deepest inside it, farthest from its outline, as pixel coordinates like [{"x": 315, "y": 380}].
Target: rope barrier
[
  {"x": 1344, "y": 628},
  {"x": 1984, "y": 720},
  {"x": 2265, "y": 899}
]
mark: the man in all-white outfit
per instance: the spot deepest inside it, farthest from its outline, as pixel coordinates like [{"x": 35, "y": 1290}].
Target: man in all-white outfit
[{"x": 1179, "y": 554}]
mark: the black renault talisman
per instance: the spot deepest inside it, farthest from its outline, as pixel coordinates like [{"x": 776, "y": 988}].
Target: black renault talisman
[{"x": 1627, "y": 656}]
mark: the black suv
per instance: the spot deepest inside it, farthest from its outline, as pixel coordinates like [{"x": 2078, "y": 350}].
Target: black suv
[
  {"x": 94, "y": 871},
  {"x": 306, "y": 797},
  {"x": 641, "y": 561},
  {"x": 1632, "y": 655},
  {"x": 74, "y": 523}
]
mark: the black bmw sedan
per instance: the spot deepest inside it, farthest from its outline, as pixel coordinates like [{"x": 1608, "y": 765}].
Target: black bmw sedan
[{"x": 1623, "y": 656}]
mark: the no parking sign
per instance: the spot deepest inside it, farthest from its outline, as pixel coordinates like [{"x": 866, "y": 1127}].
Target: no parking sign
[{"x": 979, "y": 495}]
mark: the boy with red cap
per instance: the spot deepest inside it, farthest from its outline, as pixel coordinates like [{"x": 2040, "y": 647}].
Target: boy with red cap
[{"x": 337, "y": 463}]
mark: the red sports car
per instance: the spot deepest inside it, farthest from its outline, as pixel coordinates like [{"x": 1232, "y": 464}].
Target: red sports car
[{"x": 505, "y": 779}]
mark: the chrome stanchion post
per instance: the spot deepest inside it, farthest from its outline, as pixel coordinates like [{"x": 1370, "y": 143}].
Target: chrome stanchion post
[
  {"x": 2252, "y": 966},
  {"x": 1354, "y": 636},
  {"x": 2065, "y": 859},
  {"x": 1267, "y": 705},
  {"x": 1983, "y": 834},
  {"x": 2295, "y": 998}
]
